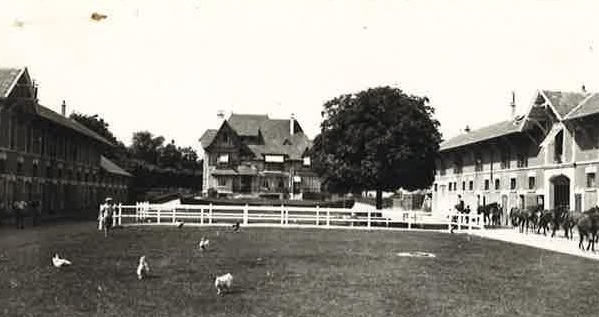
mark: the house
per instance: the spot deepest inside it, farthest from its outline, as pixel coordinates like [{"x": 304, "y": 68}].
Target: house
[
  {"x": 548, "y": 157},
  {"x": 257, "y": 156},
  {"x": 47, "y": 157}
]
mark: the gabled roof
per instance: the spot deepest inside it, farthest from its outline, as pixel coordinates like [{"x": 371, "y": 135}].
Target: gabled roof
[
  {"x": 275, "y": 135},
  {"x": 588, "y": 107},
  {"x": 564, "y": 102},
  {"x": 111, "y": 167},
  {"x": 247, "y": 124},
  {"x": 8, "y": 80},
  {"x": 486, "y": 133},
  {"x": 56, "y": 118},
  {"x": 207, "y": 137}
]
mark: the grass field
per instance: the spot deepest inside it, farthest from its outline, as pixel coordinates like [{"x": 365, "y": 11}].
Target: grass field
[{"x": 286, "y": 272}]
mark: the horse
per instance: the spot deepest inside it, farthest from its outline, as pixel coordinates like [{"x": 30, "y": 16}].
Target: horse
[
  {"x": 515, "y": 216},
  {"x": 587, "y": 226},
  {"x": 491, "y": 213},
  {"x": 529, "y": 218},
  {"x": 569, "y": 221}
]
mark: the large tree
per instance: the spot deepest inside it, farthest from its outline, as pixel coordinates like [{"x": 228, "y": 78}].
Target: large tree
[
  {"x": 379, "y": 139},
  {"x": 146, "y": 146}
]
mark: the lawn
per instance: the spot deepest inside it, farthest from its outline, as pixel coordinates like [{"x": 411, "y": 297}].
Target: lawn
[{"x": 286, "y": 272}]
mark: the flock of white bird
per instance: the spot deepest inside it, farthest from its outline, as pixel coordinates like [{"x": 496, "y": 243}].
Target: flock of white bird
[{"x": 222, "y": 283}]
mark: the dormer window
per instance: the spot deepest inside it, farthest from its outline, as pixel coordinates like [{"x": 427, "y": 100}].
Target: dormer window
[
  {"x": 307, "y": 161},
  {"x": 223, "y": 159}
]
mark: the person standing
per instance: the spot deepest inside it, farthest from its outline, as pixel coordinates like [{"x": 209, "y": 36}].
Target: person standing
[{"x": 106, "y": 214}]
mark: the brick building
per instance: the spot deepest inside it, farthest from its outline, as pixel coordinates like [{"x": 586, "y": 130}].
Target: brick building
[
  {"x": 549, "y": 156},
  {"x": 258, "y": 156},
  {"x": 47, "y": 157}
]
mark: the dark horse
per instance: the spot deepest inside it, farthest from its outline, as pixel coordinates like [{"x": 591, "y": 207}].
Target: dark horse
[
  {"x": 528, "y": 218},
  {"x": 552, "y": 219},
  {"x": 491, "y": 214},
  {"x": 588, "y": 224}
]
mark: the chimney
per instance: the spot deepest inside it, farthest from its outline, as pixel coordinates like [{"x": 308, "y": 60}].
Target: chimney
[
  {"x": 220, "y": 116},
  {"x": 513, "y": 105},
  {"x": 467, "y": 129},
  {"x": 64, "y": 108},
  {"x": 34, "y": 90},
  {"x": 292, "y": 124}
]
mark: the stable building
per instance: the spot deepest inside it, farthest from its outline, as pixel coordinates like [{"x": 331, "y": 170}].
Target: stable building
[
  {"x": 48, "y": 157},
  {"x": 549, "y": 157},
  {"x": 254, "y": 155}
]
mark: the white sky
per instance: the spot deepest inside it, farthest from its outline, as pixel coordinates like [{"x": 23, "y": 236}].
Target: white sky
[{"x": 168, "y": 66}]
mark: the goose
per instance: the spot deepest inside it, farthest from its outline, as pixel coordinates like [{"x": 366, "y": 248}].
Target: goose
[
  {"x": 142, "y": 269},
  {"x": 58, "y": 262},
  {"x": 204, "y": 243}
]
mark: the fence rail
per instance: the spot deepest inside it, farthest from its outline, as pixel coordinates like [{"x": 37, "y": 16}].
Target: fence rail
[{"x": 219, "y": 215}]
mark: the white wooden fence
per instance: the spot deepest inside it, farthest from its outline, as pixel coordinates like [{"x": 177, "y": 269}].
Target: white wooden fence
[
  {"x": 460, "y": 221},
  {"x": 282, "y": 216}
]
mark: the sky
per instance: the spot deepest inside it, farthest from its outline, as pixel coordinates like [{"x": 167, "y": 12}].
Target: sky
[{"x": 168, "y": 66}]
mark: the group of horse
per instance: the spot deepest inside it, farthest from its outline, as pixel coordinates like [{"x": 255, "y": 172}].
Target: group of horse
[
  {"x": 19, "y": 210},
  {"x": 492, "y": 213},
  {"x": 537, "y": 218}
]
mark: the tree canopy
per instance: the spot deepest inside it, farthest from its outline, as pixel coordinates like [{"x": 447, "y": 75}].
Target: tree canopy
[
  {"x": 378, "y": 139},
  {"x": 152, "y": 163}
]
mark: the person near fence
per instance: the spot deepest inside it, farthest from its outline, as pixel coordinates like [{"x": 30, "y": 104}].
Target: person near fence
[{"x": 106, "y": 215}]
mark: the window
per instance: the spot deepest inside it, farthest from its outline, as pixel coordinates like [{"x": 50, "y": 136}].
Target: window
[
  {"x": 442, "y": 168},
  {"x": 512, "y": 183},
  {"x": 531, "y": 182},
  {"x": 559, "y": 147},
  {"x": 497, "y": 184},
  {"x": 223, "y": 159},
  {"x": 19, "y": 168},
  {"x": 222, "y": 181},
  {"x": 463, "y": 185},
  {"x": 435, "y": 187},
  {"x": 307, "y": 161},
  {"x": 486, "y": 184},
  {"x": 478, "y": 163},
  {"x": 505, "y": 159},
  {"x": 48, "y": 171},
  {"x": 458, "y": 164},
  {"x": 522, "y": 160},
  {"x": 34, "y": 170},
  {"x": 471, "y": 185},
  {"x": 13, "y": 132},
  {"x": 2, "y": 165},
  {"x": 591, "y": 180}
]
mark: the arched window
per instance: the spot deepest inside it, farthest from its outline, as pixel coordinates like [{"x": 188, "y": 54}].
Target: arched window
[{"x": 559, "y": 147}]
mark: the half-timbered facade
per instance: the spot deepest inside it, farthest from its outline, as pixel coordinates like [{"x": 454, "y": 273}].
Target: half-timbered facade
[
  {"x": 48, "y": 157},
  {"x": 258, "y": 156},
  {"x": 548, "y": 157}
]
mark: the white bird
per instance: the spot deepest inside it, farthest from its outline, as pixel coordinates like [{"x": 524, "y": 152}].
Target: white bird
[
  {"x": 204, "y": 243},
  {"x": 180, "y": 224},
  {"x": 223, "y": 283},
  {"x": 142, "y": 269},
  {"x": 58, "y": 262}
]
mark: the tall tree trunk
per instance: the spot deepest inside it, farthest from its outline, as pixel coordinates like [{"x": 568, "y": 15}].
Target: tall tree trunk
[{"x": 379, "y": 199}]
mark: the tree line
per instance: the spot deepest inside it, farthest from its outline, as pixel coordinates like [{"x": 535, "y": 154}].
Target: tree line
[{"x": 153, "y": 162}]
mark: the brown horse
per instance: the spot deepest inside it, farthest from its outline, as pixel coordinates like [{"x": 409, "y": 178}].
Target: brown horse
[{"x": 587, "y": 226}]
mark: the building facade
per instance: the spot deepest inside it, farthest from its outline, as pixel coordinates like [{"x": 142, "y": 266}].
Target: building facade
[
  {"x": 47, "y": 157},
  {"x": 258, "y": 156},
  {"x": 548, "y": 157}
]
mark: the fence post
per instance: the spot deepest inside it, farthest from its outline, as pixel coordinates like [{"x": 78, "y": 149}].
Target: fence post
[
  {"x": 287, "y": 215},
  {"x": 100, "y": 217},
  {"x": 328, "y": 217},
  {"x": 409, "y": 220},
  {"x": 157, "y": 215},
  {"x": 245, "y": 214},
  {"x": 173, "y": 211},
  {"x": 202, "y": 215},
  {"x": 449, "y": 219},
  {"x": 120, "y": 214},
  {"x": 282, "y": 215},
  {"x": 369, "y": 216},
  {"x": 210, "y": 213},
  {"x": 470, "y": 222},
  {"x": 317, "y": 214},
  {"x": 460, "y": 219}
]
